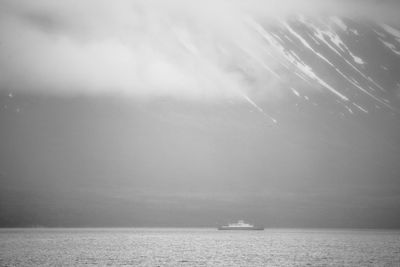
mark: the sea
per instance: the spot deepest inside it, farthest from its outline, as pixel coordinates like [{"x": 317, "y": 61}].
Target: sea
[{"x": 197, "y": 247}]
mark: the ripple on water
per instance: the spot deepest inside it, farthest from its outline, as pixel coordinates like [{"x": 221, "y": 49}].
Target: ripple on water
[{"x": 198, "y": 247}]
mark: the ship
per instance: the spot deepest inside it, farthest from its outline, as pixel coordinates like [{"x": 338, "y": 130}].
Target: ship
[{"x": 240, "y": 225}]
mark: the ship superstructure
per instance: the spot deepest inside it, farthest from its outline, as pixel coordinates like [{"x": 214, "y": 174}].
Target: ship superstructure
[{"x": 240, "y": 225}]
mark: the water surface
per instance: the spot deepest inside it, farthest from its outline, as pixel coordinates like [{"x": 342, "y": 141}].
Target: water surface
[{"x": 198, "y": 247}]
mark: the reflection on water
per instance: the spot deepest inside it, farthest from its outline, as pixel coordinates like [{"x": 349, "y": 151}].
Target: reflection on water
[{"x": 198, "y": 247}]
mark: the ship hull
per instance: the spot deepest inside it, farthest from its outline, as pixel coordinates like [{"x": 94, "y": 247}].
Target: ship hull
[{"x": 240, "y": 228}]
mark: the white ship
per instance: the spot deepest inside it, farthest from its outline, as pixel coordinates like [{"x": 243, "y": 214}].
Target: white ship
[{"x": 240, "y": 225}]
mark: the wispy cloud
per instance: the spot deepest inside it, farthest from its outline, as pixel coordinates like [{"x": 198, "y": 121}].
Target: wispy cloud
[{"x": 189, "y": 49}]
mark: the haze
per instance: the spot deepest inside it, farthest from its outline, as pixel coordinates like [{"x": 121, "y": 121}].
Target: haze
[{"x": 159, "y": 113}]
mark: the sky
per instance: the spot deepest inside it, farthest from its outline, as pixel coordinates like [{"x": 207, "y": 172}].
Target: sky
[{"x": 161, "y": 114}]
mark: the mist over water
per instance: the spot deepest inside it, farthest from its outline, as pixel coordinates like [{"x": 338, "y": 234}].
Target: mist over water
[
  {"x": 189, "y": 113},
  {"x": 284, "y": 115}
]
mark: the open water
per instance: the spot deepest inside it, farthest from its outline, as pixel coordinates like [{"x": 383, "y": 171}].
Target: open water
[{"x": 198, "y": 247}]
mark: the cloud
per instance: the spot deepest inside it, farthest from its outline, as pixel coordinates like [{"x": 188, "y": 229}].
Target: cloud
[{"x": 189, "y": 49}]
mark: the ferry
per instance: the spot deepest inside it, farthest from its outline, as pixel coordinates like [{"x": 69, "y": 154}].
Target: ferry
[{"x": 240, "y": 225}]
